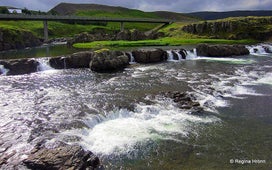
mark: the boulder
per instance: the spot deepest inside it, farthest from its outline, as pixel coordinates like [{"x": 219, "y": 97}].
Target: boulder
[
  {"x": 149, "y": 56},
  {"x": 123, "y": 35},
  {"x": 58, "y": 62},
  {"x": 221, "y": 50},
  {"x": 183, "y": 53},
  {"x": 71, "y": 157},
  {"x": 107, "y": 61},
  {"x": 20, "y": 66},
  {"x": 267, "y": 49},
  {"x": 137, "y": 35},
  {"x": 79, "y": 60},
  {"x": 17, "y": 39},
  {"x": 184, "y": 101}
]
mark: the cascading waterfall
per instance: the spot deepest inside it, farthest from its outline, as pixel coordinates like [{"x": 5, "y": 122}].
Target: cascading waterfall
[
  {"x": 170, "y": 55},
  {"x": 260, "y": 50},
  {"x": 44, "y": 64},
  {"x": 3, "y": 70},
  {"x": 64, "y": 62},
  {"x": 191, "y": 54},
  {"x": 132, "y": 59}
]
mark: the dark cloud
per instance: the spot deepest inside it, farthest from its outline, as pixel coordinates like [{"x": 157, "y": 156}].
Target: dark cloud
[{"x": 153, "y": 5}]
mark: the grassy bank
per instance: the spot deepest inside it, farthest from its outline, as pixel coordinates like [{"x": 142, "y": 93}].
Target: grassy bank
[{"x": 168, "y": 41}]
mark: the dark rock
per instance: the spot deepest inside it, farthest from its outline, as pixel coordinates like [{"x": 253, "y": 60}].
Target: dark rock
[
  {"x": 133, "y": 35},
  {"x": 71, "y": 157},
  {"x": 175, "y": 55},
  {"x": 124, "y": 35},
  {"x": 266, "y": 49},
  {"x": 80, "y": 59},
  {"x": 184, "y": 101},
  {"x": 150, "y": 56},
  {"x": 243, "y": 28},
  {"x": 58, "y": 62},
  {"x": 17, "y": 39},
  {"x": 20, "y": 66},
  {"x": 221, "y": 50},
  {"x": 107, "y": 61},
  {"x": 76, "y": 60},
  {"x": 137, "y": 35},
  {"x": 183, "y": 53}
]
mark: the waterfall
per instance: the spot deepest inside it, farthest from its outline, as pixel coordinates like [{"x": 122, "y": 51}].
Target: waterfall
[
  {"x": 64, "y": 62},
  {"x": 170, "y": 55},
  {"x": 179, "y": 55},
  {"x": 132, "y": 59},
  {"x": 191, "y": 54},
  {"x": 3, "y": 70},
  {"x": 260, "y": 49},
  {"x": 176, "y": 55},
  {"x": 44, "y": 64}
]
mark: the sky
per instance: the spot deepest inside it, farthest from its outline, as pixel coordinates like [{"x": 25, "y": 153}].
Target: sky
[{"x": 182, "y": 6}]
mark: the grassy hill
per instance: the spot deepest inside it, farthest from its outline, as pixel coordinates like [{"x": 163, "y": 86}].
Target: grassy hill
[
  {"x": 60, "y": 29},
  {"x": 114, "y": 12}
]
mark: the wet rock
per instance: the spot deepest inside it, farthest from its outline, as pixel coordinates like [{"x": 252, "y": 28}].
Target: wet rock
[
  {"x": 58, "y": 62},
  {"x": 71, "y": 157},
  {"x": 267, "y": 49},
  {"x": 221, "y": 50},
  {"x": 184, "y": 101},
  {"x": 20, "y": 66},
  {"x": 80, "y": 59},
  {"x": 183, "y": 53},
  {"x": 76, "y": 60},
  {"x": 149, "y": 56},
  {"x": 107, "y": 61}
]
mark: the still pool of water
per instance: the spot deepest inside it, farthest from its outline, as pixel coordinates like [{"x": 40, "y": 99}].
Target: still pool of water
[{"x": 123, "y": 119}]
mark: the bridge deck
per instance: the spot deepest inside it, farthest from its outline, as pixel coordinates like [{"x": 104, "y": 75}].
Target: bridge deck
[{"x": 78, "y": 18}]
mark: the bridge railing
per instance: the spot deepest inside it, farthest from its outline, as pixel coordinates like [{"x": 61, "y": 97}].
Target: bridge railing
[{"x": 78, "y": 18}]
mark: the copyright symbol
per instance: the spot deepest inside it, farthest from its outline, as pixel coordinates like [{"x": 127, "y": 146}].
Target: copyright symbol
[{"x": 231, "y": 161}]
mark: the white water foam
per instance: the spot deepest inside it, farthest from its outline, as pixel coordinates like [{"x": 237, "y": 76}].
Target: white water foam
[
  {"x": 3, "y": 70},
  {"x": 260, "y": 49},
  {"x": 191, "y": 54},
  {"x": 227, "y": 60},
  {"x": 132, "y": 59},
  {"x": 223, "y": 86},
  {"x": 44, "y": 64},
  {"x": 266, "y": 79},
  {"x": 170, "y": 56},
  {"x": 122, "y": 131}
]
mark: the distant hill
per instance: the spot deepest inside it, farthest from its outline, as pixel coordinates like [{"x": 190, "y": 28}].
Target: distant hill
[
  {"x": 206, "y": 15},
  {"x": 111, "y": 11}
]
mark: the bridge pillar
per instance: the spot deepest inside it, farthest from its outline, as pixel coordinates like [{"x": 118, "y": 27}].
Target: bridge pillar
[
  {"x": 122, "y": 27},
  {"x": 45, "y": 30}
]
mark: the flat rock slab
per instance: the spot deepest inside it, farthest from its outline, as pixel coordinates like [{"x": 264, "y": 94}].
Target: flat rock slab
[{"x": 71, "y": 157}]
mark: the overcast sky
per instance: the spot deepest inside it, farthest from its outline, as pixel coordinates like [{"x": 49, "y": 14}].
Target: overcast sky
[{"x": 152, "y": 5}]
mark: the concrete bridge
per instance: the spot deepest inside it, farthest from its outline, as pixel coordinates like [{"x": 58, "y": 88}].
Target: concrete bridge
[{"x": 46, "y": 18}]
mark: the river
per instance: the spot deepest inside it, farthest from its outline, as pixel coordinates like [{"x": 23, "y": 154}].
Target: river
[{"x": 123, "y": 119}]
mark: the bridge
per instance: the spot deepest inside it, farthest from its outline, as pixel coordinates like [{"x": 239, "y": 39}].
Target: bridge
[{"x": 46, "y": 18}]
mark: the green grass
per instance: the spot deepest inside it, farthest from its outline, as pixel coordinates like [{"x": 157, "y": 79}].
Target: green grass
[
  {"x": 56, "y": 29},
  {"x": 168, "y": 41},
  {"x": 117, "y": 14}
]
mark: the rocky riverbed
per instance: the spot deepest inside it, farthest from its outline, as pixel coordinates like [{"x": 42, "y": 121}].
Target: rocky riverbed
[{"x": 111, "y": 61}]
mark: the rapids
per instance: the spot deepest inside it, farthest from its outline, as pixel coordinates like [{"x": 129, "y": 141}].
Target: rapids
[{"x": 123, "y": 119}]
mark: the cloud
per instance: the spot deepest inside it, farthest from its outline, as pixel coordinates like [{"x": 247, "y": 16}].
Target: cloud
[{"x": 153, "y": 5}]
